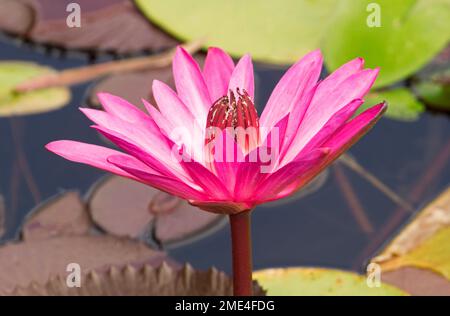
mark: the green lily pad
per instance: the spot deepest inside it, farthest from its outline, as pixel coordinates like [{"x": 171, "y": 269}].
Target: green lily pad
[
  {"x": 12, "y": 103},
  {"x": 402, "y": 104},
  {"x": 435, "y": 91},
  {"x": 272, "y": 31},
  {"x": 411, "y": 33},
  {"x": 318, "y": 281}
]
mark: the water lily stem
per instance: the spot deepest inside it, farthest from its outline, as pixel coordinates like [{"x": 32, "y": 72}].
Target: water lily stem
[{"x": 242, "y": 253}]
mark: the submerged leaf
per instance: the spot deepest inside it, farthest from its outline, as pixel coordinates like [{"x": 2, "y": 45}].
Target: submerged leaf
[
  {"x": 435, "y": 90},
  {"x": 410, "y": 34},
  {"x": 318, "y": 281},
  {"x": 272, "y": 31},
  {"x": 402, "y": 104},
  {"x": 12, "y": 103}
]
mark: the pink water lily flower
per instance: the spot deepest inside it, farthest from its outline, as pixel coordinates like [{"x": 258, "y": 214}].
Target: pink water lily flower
[{"x": 305, "y": 125}]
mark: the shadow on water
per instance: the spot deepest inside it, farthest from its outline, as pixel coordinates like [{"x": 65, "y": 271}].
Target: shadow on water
[{"x": 320, "y": 229}]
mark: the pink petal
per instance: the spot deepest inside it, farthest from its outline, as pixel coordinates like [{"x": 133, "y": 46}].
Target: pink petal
[
  {"x": 171, "y": 107},
  {"x": 166, "y": 165},
  {"x": 257, "y": 166},
  {"x": 177, "y": 122},
  {"x": 298, "y": 80},
  {"x": 209, "y": 182},
  {"x": 144, "y": 136},
  {"x": 93, "y": 155},
  {"x": 333, "y": 124},
  {"x": 339, "y": 75},
  {"x": 227, "y": 157},
  {"x": 242, "y": 77},
  {"x": 191, "y": 86},
  {"x": 121, "y": 108},
  {"x": 217, "y": 72},
  {"x": 163, "y": 123},
  {"x": 341, "y": 141},
  {"x": 288, "y": 174},
  {"x": 353, "y": 130},
  {"x": 169, "y": 185},
  {"x": 325, "y": 104}
]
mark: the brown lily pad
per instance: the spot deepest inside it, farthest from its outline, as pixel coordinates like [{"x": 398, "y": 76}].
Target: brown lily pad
[
  {"x": 37, "y": 262},
  {"x": 430, "y": 220},
  {"x": 417, "y": 281},
  {"x": 17, "y": 16},
  {"x": 106, "y": 26},
  {"x": 124, "y": 207},
  {"x": 119, "y": 206},
  {"x": 418, "y": 260},
  {"x": 184, "y": 223},
  {"x": 144, "y": 281},
  {"x": 63, "y": 215}
]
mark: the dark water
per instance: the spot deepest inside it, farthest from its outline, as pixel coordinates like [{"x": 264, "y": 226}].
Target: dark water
[{"x": 317, "y": 230}]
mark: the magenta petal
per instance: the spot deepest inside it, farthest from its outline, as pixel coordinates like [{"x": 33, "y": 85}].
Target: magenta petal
[
  {"x": 209, "y": 182},
  {"x": 342, "y": 73},
  {"x": 326, "y": 103},
  {"x": 164, "y": 165},
  {"x": 341, "y": 141},
  {"x": 93, "y": 155},
  {"x": 295, "y": 83},
  {"x": 217, "y": 72},
  {"x": 227, "y": 157},
  {"x": 288, "y": 174},
  {"x": 121, "y": 108},
  {"x": 281, "y": 128},
  {"x": 333, "y": 124},
  {"x": 353, "y": 130},
  {"x": 169, "y": 185},
  {"x": 242, "y": 76},
  {"x": 171, "y": 107},
  {"x": 191, "y": 86}
]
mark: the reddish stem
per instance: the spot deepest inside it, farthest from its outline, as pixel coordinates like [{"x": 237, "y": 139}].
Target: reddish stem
[{"x": 242, "y": 253}]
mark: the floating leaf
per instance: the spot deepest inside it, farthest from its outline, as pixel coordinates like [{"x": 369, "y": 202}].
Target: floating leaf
[
  {"x": 123, "y": 207},
  {"x": 435, "y": 91},
  {"x": 433, "y": 254},
  {"x": 120, "y": 206},
  {"x": 318, "y": 281},
  {"x": 411, "y": 33},
  {"x": 433, "y": 218},
  {"x": 145, "y": 281},
  {"x": 11, "y": 103},
  {"x": 16, "y": 16},
  {"x": 402, "y": 105},
  {"x": 106, "y": 25},
  {"x": 272, "y": 31},
  {"x": 63, "y": 215},
  {"x": 421, "y": 251},
  {"x": 24, "y": 263},
  {"x": 417, "y": 281}
]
